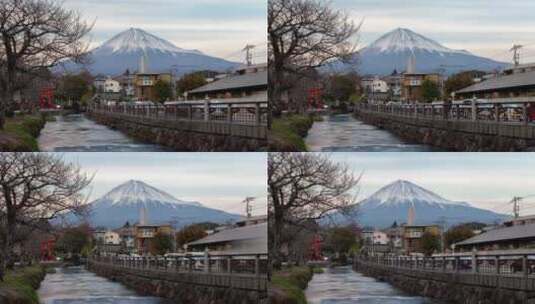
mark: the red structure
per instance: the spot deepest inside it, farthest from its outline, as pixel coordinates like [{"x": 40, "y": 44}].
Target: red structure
[
  {"x": 47, "y": 250},
  {"x": 46, "y": 98},
  {"x": 315, "y": 249},
  {"x": 314, "y": 98}
]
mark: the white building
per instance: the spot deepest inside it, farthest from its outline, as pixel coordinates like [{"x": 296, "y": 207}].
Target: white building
[
  {"x": 375, "y": 237},
  {"x": 112, "y": 238},
  {"x": 111, "y": 86}
]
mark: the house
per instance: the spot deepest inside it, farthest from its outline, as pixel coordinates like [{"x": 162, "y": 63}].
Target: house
[
  {"x": 412, "y": 237},
  {"x": 374, "y": 237},
  {"x": 245, "y": 239},
  {"x": 144, "y": 85},
  {"x": 411, "y": 85},
  {"x": 518, "y": 81},
  {"x": 394, "y": 85},
  {"x": 127, "y": 235},
  {"x": 248, "y": 81},
  {"x": 145, "y": 233},
  {"x": 512, "y": 234},
  {"x": 126, "y": 81},
  {"x": 375, "y": 88}
]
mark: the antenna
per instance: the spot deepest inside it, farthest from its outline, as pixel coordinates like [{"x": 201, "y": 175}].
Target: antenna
[
  {"x": 249, "y": 54},
  {"x": 516, "y": 53},
  {"x": 248, "y": 207}
]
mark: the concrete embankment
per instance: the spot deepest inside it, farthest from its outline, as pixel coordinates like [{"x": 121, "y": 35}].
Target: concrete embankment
[
  {"x": 453, "y": 135},
  {"x": 190, "y": 288}
]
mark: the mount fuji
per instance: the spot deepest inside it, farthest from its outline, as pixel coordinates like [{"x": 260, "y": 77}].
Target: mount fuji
[
  {"x": 392, "y": 202},
  {"x": 124, "y": 51},
  {"x": 124, "y": 202},
  {"x": 392, "y": 52}
]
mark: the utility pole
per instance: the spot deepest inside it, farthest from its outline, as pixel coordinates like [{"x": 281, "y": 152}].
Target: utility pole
[
  {"x": 248, "y": 207},
  {"x": 516, "y": 206},
  {"x": 516, "y": 53},
  {"x": 249, "y": 54}
]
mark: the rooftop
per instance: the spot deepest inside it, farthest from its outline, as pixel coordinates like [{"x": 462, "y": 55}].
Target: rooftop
[
  {"x": 502, "y": 234},
  {"x": 235, "y": 234},
  {"x": 502, "y": 82},
  {"x": 259, "y": 79}
]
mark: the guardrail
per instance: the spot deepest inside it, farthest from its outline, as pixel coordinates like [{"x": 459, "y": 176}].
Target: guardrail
[
  {"x": 502, "y": 110},
  {"x": 239, "y": 112},
  {"x": 502, "y": 263},
  {"x": 251, "y": 264}
]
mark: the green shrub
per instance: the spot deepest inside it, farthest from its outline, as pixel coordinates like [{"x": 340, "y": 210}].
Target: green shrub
[
  {"x": 287, "y": 133},
  {"x": 24, "y": 131},
  {"x": 24, "y": 282},
  {"x": 293, "y": 282}
]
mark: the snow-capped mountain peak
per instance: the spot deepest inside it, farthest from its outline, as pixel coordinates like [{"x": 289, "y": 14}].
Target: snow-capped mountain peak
[
  {"x": 135, "y": 39},
  {"x": 403, "y": 39},
  {"x": 402, "y": 192},
  {"x": 135, "y": 192}
]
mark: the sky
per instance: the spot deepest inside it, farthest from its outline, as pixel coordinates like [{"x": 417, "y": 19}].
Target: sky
[
  {"x": 484, "y": 180},
  {"x": 219, "y": 28},
  {"x": 483, "y": 27},
  {"x": 216, "y": 180}
]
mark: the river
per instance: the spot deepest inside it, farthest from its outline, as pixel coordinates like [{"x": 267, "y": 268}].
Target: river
[
  {"x": 344, "y": 133},
  {"x": 342, "y": 285},
  {"x": 77, "y": 133},
  {"x": 75, "y": 285}
]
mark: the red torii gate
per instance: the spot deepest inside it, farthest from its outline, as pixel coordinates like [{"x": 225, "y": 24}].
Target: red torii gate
[
  {"x": 46, "y": 98},
  {"x": 314, "y": 97}
]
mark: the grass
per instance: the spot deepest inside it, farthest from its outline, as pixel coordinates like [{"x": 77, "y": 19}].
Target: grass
[
  {"x": 292, "y": 282},
  {"x": 24, "y": 283},
  {"x": 318, "y": 270},
  {"x": 20, "y": 133},
  {"x": 288, "y": 132}
]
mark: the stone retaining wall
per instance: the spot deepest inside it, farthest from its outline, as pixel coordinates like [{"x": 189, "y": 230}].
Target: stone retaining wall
[
  {"x": 451, "y": 135},
  {"x": 188, "y": 135},
  {"x": 454, "y": 288},
  {"x": 190, "y": 288}
]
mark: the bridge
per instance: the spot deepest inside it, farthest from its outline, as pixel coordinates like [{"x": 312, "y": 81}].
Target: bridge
[
  {"x": 238, "y": 124},
  {"x": 476, "y": 277},
  {"x": 505, "y": 124},
  {"x": 191, "y": 278}
]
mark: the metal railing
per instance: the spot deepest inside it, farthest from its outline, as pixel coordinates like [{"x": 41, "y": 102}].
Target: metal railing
[
  {"x": 252, "y": 264},
  {"x": 240, "y": 112},
  {"x": 501, "y": 110},
  {"x": 503, "y": 263}
]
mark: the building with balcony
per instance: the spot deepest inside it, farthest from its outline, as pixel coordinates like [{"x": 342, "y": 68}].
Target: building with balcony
[
  {"x": 144, "y": 85},
  {"x": 412, "y": 237},
  {"x": 411, "y": 85},
  {"x": 144, "y": 235}
]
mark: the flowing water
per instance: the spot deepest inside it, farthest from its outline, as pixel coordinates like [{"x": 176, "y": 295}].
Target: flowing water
[
  {"x": 344, "y": 133},
  {"x": 75, "y": 285},
  {"x": 77, "y": 133},
  {"x": 342, "y": 285}
]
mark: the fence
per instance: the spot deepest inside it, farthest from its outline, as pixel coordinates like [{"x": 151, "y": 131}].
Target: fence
[
  {"x": 514, "y": 263},
  {"x": 244, "y": 112},
  {"x": 503, "y": 110},
  {"x": 252, "y": 264}
]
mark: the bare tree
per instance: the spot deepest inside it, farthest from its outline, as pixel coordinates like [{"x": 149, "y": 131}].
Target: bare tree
[
  {"x": 304, "y": 35},
  {"x": 34, "y": 189},
  {"x": 35, "y": 35},
  {"x": 305, "y": 187}
]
